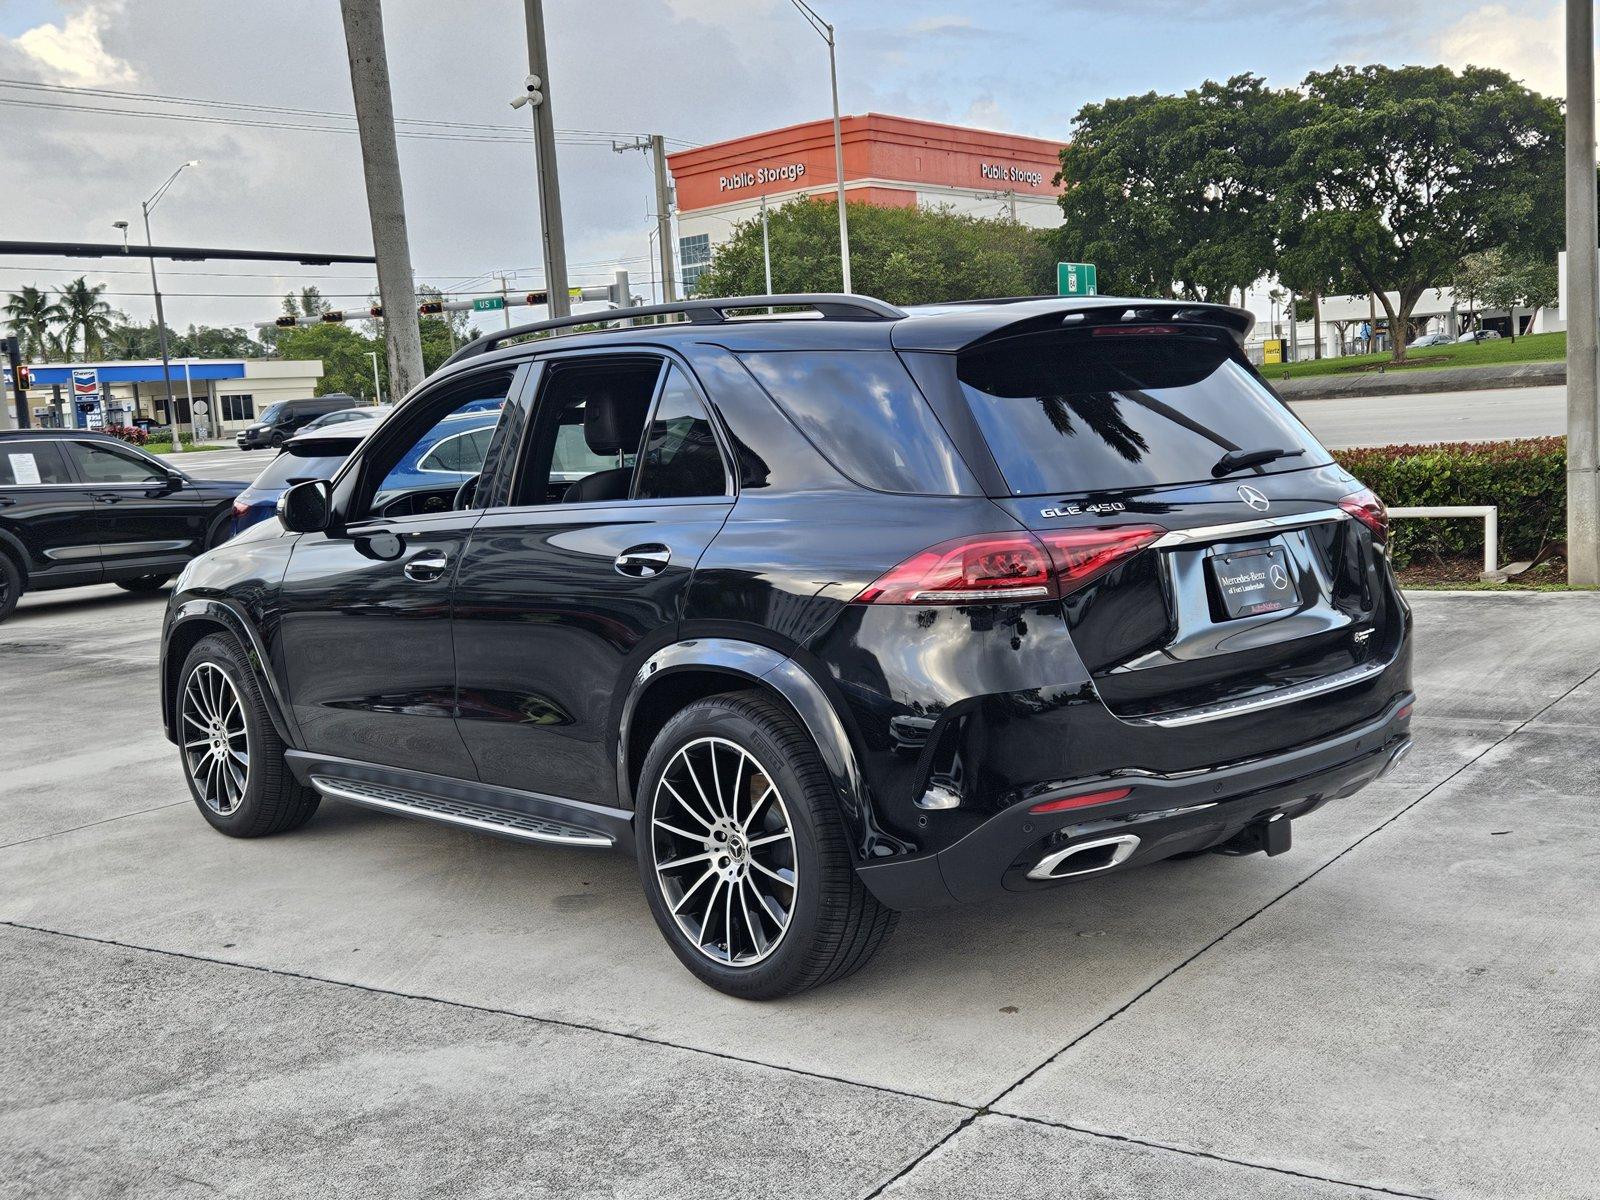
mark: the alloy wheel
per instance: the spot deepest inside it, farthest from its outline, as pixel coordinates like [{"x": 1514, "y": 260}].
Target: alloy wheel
[
  {"x": 724, "y": 851},
  {"x": 216, "y": 742}
]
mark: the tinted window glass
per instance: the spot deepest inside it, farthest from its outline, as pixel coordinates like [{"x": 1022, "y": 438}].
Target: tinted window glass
[
  {"x": 864, "y": 413},
  {"x": 680, "y": 450},
  {"x": 22, "y": 463},
  {"x": 108, "y": 464},
  {"x": 1068, "y": 413},
  {"x": 459, "y": 452},
  {"x": 300, "y": 463},
  {"x": 271, "y": 414}
]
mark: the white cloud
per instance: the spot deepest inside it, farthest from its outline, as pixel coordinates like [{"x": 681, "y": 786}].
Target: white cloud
[
  {"x": 72, "y": 52},
  {"x": 1528, "y": 43}
]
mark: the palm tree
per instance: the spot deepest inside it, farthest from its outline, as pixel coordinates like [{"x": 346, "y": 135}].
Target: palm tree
[
  {"x": 30, "y": 315},
  {"x": 85, "y": 313}
]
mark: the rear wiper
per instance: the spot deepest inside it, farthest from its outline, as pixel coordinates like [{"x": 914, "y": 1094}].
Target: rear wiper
[{"x": 1237, "y": 460}]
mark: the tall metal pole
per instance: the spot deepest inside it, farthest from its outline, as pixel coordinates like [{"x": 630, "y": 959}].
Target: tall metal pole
[
  {"x": 766, "y": 244},
  {"x": 1583, "y": 295},
  {"x": 825, "y": 31},
  {"x": 377, "y": 387},
  {"x": 161, "y": 337},
  {"x": 838, "y": 165},
  {"x": 380, "y": 163},
  {"x": 551, "y": 232},
  {"x": 669, "y": 274}
]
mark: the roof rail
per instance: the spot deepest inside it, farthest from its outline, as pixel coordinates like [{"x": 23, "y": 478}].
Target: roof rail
[{"x": 712, "y": 311}]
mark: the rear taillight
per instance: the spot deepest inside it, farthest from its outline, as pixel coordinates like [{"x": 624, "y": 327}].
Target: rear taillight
[
  {"x": 1007, "y": 568},
  {"x": 240, "y": 508},
  {"x": 1088, "y": 800},
  {"x": 1365, "y": 507},
  {"x": 1137, "y": 330}
]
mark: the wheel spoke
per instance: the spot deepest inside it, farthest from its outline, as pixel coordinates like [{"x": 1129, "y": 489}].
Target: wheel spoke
[
  {"x": 760, "y": 802},
  {"x": 766, "y": 870},
  {"x": 683, "y": 900},
  {"x": 738, "y": 781},
  {"x": 711, "y": 904},
  {"x": 684, "y": 804},
  {"x": 781, "y": 836},
  {"x": 689, "y": 762},
  {"x": 757, "y": 939},
  {"x": 716, "y": 776},
  {"x": 727, "y": 918},
  {"x": 683, "y": 833},
  {"x": 684, "y": 862}
]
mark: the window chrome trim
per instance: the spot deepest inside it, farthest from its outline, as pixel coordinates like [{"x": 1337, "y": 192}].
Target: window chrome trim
[{"x": 1238, "y": 529}]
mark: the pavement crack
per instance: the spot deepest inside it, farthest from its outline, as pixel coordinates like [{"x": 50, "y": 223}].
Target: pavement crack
[
  {"x": 925, "y": 1155},
  {"x": 39, "y": 837},
  {"x": 1222, "y": 1158},
  {"x": 490, "y": 1010},
  {"x": 1290, "y": 890}
]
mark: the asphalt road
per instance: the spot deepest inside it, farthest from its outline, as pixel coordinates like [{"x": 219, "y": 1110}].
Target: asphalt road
[
  {"x": 1482, "y": 416},
  {"x": 1405, "y": 1001}
]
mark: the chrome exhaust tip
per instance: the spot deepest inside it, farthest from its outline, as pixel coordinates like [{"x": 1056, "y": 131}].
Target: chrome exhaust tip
[
  {"x": 1400, "y": 751},
  {"x": 1104, "y": 853}
]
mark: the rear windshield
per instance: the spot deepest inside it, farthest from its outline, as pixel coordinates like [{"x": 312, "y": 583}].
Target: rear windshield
[
  {"x": 296, "y": 466},
  {"x": 1073, "y": 413}
]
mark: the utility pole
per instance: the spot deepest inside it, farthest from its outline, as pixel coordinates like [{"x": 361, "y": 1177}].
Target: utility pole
[
  {"x": 1583, "y": 295},
  {"x": 380, "y": 163},
  {"x": 537, "y": 85},
  {"x": 622, "y": 293},
  {"x": 655, "y": 146}
]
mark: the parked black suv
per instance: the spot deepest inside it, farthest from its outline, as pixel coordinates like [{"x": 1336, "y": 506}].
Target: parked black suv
[
  {"x": 78, "y": 507},
  {"x": 281, "y": 421},
  {"x": 822, "y": 616}
]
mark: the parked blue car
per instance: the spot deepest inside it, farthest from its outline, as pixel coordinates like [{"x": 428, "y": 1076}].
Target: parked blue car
[{"x": 451, "y": 454}]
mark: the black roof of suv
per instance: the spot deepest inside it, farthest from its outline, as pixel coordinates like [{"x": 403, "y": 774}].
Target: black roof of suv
[{"x": 821, "y": 615}]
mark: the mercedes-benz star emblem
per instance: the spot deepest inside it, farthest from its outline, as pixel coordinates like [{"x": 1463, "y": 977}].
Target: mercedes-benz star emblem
[
  {"x": 1279, "y": 577},
  {"x": 1254, "y": 498}
]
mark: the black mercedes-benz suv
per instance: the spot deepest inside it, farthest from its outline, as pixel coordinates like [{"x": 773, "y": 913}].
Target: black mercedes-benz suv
[{"x": 822, "y": 614}]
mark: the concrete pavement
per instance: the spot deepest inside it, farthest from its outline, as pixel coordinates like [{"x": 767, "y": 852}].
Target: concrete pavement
[
  {"x": 1403, "y": 1002},
  {"x": 1479, "y": 416}
]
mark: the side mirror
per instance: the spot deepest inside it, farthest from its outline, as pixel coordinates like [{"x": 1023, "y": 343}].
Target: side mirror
[
  {"x": 175, "y": 481},
  {"x": 306, "y": 507}
]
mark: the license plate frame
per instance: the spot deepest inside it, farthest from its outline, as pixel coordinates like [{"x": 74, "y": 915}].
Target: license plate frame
[{"x": 1253, "y": 582}]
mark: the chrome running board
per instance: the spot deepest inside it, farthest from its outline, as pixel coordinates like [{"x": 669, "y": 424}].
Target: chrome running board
[
  {"x": 1249, "y": 704},
  {"x": 460, "y": 813}
]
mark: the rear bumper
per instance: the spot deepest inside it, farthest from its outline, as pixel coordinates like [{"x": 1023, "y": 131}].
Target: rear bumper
[{"x": 1161, "y": 816}]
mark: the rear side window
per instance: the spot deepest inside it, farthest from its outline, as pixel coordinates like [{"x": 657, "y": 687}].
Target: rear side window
[
  {"x": 23, "y": 463},
  {"x": 680, "y": 456},
  {"x": 863, "y": 412},
  {"x": 100, "y": 463},
  {"x": 1073, "y": 413}
]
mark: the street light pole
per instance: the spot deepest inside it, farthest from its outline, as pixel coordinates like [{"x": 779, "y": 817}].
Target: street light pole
[
  {"x": 161, "y": 317},
  {"x": 766, "y": 244},
  {"x": 825, "y": 31},
  {"x": 377, "y": 387},
  {"x": 1583, "y": 296}
]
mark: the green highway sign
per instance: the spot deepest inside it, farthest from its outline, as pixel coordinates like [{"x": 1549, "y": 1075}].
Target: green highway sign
[
  {"x": 1076, "y": 279},
  {"x": 488, "y": 303}
]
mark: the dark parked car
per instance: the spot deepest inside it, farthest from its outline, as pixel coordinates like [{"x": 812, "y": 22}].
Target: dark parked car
[
  {"x": 840, "y": 616},
  {"x": 79, "y": 508},
  {"x": 281, "y": 421}
]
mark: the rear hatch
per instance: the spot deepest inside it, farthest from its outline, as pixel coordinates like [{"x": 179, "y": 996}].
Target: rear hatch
[{"x": 1245, "y": 568}]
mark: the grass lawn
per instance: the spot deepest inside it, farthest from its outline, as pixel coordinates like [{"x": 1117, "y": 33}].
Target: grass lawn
[
  {"x": 166, "y": 447},
  {"x": 1538, "y": 347}
]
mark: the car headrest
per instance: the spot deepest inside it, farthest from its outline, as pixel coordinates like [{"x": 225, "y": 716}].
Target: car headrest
[{"x": 613, "y": 422}]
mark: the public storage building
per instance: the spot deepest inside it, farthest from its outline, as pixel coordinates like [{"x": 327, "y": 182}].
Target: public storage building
[{"x": 889, "y": 161}]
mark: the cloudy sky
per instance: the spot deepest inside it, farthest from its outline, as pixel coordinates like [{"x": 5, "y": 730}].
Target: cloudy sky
[{"x": 694, "y": 70}]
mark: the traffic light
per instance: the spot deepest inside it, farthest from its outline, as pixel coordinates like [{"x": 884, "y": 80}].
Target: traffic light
[
  {"x": 24, "y": 378},
  {"x": 375, "y": 311},
  {"x": 430, "y": 308},
  {"x": 537, "y": 297},
  {"x": 286, "y": 322},
  {"x": 333, "y": 317}
]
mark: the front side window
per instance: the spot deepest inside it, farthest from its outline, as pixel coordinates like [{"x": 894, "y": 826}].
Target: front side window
[
  {"x": 111, "y": 464},
  {"x": 680, "y": 456},
  {"x": 422, "y": 472},
  {"x": 31, "y": 462},
  {"x": 271, "y": 414}
]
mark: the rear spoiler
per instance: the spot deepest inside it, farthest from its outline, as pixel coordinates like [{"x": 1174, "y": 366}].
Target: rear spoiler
[{"x": 960, "y": 327}]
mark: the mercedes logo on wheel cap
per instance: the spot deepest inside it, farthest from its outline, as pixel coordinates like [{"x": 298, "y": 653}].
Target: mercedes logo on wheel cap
[{"x": 1254, "y": 498}]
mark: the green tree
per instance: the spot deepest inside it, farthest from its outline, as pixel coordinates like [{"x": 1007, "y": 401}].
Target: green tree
[
  {"x": 1502, "y": 279},
  {"x": 311, "y": 302},
  {"x": 902, "y": 255},
  {"x": 32, "y": 316},
  {"x": 1403, "y": 172},
  {"x": 85, "y": 314},
  {"x": 344, "y": 352},
  {"x": 1172, "y": 195}
]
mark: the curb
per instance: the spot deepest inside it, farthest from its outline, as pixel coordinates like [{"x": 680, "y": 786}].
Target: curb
[{"x": 1408, "y": 382}]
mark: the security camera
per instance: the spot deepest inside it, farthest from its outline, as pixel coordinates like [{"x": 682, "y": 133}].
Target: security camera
[{"x": 531, "y": 93}]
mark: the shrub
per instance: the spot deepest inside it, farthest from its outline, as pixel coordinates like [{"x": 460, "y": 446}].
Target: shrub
[
  {"x": 1525, "y": 479},
  {"x": 128, "y": 433}
]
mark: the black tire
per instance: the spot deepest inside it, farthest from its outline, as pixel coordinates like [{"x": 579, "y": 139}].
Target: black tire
[
  {"x": 834, "y": 924},
  {"x": 11, "y": 585},
  {"x": 221, "y": 529},
  {"x": 145, "y": 583},
  {"x": 270, "y": 800}
]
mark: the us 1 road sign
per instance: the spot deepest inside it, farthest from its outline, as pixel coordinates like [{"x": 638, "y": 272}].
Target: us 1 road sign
[
  {"x": 1076, "y": 279},
  {"x": 488, "y": 303}
]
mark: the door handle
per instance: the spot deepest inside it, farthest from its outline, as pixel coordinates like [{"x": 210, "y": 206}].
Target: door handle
[
  {"x": 107, "y": 497},
  {"x": 428, "y": 565},
  {"x": 6, "y": 501},
  {"x": 641, "y": 562}
]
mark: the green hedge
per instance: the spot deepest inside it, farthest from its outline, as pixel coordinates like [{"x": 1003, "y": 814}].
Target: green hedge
[{"x": 1526, "y": 480}]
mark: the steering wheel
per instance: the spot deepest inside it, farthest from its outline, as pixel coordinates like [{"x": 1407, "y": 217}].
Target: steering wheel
[{"x": 466, "y": 493}]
